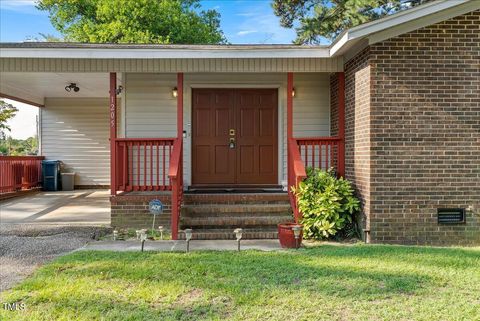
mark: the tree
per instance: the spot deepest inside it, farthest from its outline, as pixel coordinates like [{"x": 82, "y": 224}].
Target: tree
[
  {"x": 134, "y": 21},
  {"x": 315, "y": 20},
  {"x": 7, "y": 111}
]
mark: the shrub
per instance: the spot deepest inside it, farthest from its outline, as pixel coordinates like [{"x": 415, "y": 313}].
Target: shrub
[{"x": 326, "y": 202}]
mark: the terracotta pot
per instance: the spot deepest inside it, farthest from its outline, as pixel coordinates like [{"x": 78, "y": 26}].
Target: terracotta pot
[{"x": 287, "y": 237}]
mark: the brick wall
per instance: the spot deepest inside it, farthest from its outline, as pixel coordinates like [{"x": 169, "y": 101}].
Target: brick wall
[
  {"x": 424, "y": 139},
  {"x": 357, "y": 130},
  {"x": 131, "y": 211}
]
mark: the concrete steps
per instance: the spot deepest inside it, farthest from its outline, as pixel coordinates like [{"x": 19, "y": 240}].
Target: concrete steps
[{"x": 215, "y": 216}]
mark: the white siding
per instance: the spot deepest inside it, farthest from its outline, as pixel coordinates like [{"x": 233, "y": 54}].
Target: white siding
[
  {"x": 76, "y": 131},
  {"x": 150, "y": 108}
]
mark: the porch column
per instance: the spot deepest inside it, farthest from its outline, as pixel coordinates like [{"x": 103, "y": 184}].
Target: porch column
[
  {"x": 341, "y": 124},
  {"x": 113, "y": 133}
]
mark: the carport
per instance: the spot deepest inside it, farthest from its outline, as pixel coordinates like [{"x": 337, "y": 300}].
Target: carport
[{"x": 79, "y": 207}]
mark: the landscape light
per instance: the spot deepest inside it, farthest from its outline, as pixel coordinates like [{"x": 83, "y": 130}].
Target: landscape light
[
  {"x": 137, "y": 232},
  {"x": 297, "y": 229},
  {"x": 188, "y": 237},
  {"x": 143, "y": 237},
  {"x": 238, "y": 234},
  {"x": 115, "y": 235},
  {"x": 161, "y": 229}
]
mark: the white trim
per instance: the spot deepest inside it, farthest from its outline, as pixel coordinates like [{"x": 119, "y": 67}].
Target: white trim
[{"x": 125, "y": 53}]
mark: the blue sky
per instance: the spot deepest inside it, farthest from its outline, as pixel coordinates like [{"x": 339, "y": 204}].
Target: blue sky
[{"x": 243, "y": 21}]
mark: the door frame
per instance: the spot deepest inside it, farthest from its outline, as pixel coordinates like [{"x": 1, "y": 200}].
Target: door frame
[{"x": 188, "y": 109}]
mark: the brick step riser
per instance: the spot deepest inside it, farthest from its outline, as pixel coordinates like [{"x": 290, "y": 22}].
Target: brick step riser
[
  {"x": 236, "y": 199},
  {"x": 236, "y": 214},
  {"x": 213, "y": 209},
  {"x": 238, "y": 221}
]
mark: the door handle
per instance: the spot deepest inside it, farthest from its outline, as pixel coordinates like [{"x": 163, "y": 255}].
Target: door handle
[{"x": 232, "y": 143}]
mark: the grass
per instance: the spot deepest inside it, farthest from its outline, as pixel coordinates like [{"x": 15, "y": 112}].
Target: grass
[{"x": 329, "y": 282}]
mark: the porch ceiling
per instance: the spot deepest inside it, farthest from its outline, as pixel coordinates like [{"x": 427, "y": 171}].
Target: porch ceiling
[{"x": 35, "y": 86}]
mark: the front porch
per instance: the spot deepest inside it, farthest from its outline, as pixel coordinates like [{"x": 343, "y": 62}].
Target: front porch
[
  {"x": 236, "y": 120},
  {"x": 146, "y": 168}
]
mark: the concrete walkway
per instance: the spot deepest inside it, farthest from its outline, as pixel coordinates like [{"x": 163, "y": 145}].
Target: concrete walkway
[
  {"x": 80, "y": 207},
  {"x": 181, "y": 246}
]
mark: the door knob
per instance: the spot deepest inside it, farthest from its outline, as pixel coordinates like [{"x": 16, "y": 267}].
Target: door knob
[{"x": 232, "y": 143}]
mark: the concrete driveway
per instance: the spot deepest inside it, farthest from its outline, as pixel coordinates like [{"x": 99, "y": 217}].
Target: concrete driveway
[{"x": 80, "y": 207}]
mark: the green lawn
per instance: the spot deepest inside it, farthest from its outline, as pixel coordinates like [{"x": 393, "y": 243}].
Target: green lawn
[{"x": 329, "y": 282}]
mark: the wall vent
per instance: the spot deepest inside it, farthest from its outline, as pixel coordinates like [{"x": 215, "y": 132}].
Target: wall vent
[{"x": 451, "y": 215}]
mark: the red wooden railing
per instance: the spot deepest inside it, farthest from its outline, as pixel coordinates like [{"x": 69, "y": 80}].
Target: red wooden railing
[
  {"x": 320, "y": 152},
  {"x": 143, "y": 164},
  {"x": 296, "y": 173},
  {"x": 316, "y": 152},
  {"x": 20, "y": 172},
  {"x": 176, "y": 176}
]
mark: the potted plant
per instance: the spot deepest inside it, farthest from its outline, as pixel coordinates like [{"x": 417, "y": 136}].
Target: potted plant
[
  {"x": 290, "y": 235},
  {"x": 326, "y": 202}
]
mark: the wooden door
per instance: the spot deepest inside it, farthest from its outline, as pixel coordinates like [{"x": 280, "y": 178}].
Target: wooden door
[
  {"x": 256, "y": 136},
  {"x": 248, "y": 117}
]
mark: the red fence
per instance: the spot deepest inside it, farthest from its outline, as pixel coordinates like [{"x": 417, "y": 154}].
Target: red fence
[
  {"x": 316, "y": 152},
  {"x": 20, "y": 172},
  {"x": 142, "y": 164},
  {"x": 176, "y": 175}
]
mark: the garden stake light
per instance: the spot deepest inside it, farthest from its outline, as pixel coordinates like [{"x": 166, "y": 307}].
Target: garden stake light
[
  {"x": 296, "y": 232},
  {"x": 161, "y": 229},
  {"x": 143, "y": 237},
  {"x": 238, "y": 234},
  {"x": 188, "y": 237},
  {"x": 115, "y": 235}
]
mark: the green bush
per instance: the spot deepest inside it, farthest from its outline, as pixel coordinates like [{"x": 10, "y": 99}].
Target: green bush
[{"x": 326, "y": 202}]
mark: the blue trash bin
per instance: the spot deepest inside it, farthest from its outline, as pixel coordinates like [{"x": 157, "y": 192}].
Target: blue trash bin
[{"x": 51, "y": 175}]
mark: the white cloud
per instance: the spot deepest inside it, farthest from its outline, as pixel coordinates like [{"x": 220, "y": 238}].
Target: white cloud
[
  {"x": 24, "y": 124},
  {"x": 246, "y": 32},
  {"x": 266, "y": 23}
]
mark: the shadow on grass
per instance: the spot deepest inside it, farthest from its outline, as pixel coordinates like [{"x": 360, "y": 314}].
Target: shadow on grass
[{"x": 351, "y": 273}]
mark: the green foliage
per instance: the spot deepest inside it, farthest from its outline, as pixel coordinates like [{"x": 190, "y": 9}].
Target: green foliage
[
  {"x": 327, "y": 203},
  {"x": 139, "y": 21},
  {"x": 317, "y": 19},
  {"x": 19, "y": 147},
  {"x": 7, "y": 111}
]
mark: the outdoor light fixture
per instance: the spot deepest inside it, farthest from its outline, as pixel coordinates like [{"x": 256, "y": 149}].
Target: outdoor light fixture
[
  {"x": 161, "y": 229},
  {"x": 115, "y": 235},
  {"x": 175, "y": 92},
  {"x": 143, "y": 237},
  {"x": 119, "y": 90},
  {"x": 73, "y": 86},
  {"x": 188, "y": 237},
  {"x": 238, "y": 234},
  {"x": 293, "y": 92},
  {"x": 297, "y": 229}
]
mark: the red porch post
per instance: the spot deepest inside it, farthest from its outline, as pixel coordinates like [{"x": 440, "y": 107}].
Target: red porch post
[
  {"x": 341, "y": 124},
  {"x": 177, "y": 160},
  {"x": 113, "y": 133}
]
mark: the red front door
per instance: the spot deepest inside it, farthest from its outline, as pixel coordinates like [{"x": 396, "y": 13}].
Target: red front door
[{"x": 234, "y": 137}]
